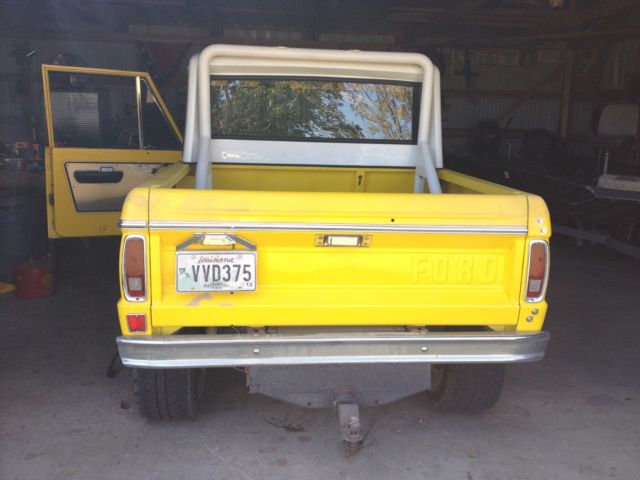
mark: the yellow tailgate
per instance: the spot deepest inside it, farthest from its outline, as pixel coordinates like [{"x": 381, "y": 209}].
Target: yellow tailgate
[{"x": 429, "y": 259}]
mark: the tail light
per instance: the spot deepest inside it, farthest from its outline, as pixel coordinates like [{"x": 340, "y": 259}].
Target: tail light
[
  {"x": 134, "y": 282},
  {"x": 538, "y": 271}
]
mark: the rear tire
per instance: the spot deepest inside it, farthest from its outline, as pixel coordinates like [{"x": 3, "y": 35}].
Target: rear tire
[
  {"x": 466, "y": 388},
  {"x": 166, "y": 394}
]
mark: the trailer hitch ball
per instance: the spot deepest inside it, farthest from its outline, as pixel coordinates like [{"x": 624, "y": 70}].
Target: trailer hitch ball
[{"x": 350, "y": 425}]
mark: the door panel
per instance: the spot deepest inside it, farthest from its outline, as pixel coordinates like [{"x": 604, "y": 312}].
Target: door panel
[
  {"x": 109, "y": 131},
  {"x": 103, "y": 187}
]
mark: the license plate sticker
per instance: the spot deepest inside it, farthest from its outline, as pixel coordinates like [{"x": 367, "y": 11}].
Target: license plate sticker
[{"x": 228, "y": 271}]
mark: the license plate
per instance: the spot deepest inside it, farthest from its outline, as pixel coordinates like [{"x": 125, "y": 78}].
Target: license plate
[{"x": 216, "y": 271}]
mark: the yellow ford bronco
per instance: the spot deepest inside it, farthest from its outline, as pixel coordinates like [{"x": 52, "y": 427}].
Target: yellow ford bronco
[{"x": 305, "y": 230}]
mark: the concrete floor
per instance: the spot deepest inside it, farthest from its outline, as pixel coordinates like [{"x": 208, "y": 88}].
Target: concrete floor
[{"x": 574, "y": 415}]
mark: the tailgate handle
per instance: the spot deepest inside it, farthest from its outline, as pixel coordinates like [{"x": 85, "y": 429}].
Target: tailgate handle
[{"x": 216, "y": 239}]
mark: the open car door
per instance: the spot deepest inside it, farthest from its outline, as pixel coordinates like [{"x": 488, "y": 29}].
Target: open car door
[{"x": 109, "y": 131}]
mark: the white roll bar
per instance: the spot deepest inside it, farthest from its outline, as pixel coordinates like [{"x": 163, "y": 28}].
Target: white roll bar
[{"x": 348, "y": 63}]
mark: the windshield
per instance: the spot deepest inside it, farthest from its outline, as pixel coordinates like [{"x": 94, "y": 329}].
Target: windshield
[{"x": 312, "y": 109}]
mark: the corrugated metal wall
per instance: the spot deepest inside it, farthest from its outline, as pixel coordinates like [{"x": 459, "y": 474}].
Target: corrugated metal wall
[
  {"x": 481, "y": 84},
  {"x": 499, "y": 77}
]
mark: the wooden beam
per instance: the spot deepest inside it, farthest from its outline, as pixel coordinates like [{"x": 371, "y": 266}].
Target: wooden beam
[
  {"x": 569, "y": 27},
  {"x": 461, "y": 92},
  {"x": 515, "y": 41},
  {"x": 453, "y": 132},
  {"x": 563, "y": 27},
  {"x": 598, "y": 11},
  {"x": 496, "y": 15},
  {"x": 462, "y": 7},
  {"x": 109, "y": 37}
]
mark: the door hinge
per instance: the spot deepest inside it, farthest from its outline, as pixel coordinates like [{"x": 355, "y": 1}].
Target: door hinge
[{"x": 51, "y": 201}]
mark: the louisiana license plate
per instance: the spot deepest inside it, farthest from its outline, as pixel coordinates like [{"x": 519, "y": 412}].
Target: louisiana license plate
[{"x": 228, "y": 271}]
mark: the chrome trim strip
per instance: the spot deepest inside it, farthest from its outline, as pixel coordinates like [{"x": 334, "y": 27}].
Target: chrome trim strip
[
  {"x": 141, "y": 143},
  {"x": 242, "y": 350},
  {"x": 338, "y": 227},
  {"x": 132, "y": 224}
]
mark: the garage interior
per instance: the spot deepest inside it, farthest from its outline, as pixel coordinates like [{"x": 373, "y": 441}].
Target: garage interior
[{"x": 538, "y": 95}]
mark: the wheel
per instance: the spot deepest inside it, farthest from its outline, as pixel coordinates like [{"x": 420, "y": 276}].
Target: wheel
[
  {"x": 167, "y": 394},
  {"x": 466, "y": 388}
]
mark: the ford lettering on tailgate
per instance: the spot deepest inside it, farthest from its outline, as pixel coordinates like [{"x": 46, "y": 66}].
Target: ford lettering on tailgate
[{"x": 221, "y": 271}]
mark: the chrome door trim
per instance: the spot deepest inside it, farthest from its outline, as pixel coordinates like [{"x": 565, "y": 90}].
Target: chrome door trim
[
  {"x": 139, "y": 110},
  {"x": 132, "y": 224}
]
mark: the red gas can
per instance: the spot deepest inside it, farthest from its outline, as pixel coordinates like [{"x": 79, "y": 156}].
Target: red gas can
[{"x": 35, "y": 278}]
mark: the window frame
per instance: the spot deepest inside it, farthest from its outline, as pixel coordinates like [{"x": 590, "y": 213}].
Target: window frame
[
  {"x": 415, "y": 109},
  {"x": 138, "y": 78}
]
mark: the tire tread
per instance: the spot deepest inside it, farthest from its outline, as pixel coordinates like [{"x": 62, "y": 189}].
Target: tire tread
[
  {"x": 165, "y": 394},
  {"x": 469, "y": 388}
]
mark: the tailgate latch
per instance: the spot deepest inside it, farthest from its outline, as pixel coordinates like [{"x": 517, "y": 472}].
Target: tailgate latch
[{"x": 343, "y": 240}]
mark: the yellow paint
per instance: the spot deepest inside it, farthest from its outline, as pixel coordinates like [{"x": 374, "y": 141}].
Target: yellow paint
[
  {"x": 337, "y": 179},
  {"x": 441, "y": 279},
  {"x": 400, "y": 279},
  {"x": 455, "y": 182},
  {"x": 136, "y": 205},
  {"x": 539, "y": 224},
  {"x": 168, "y": 177},
  {"x": 63, "y": 219}
]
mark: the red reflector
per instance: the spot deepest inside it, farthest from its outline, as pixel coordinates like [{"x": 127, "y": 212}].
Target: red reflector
[
  {"x": 137, "y": 322},
  {"x": 133, "y": 268},
  {"x": 537, "y": 271}
]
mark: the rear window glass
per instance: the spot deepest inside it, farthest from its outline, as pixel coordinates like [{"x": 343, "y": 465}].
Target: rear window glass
[{"x": 314, "y": 109}]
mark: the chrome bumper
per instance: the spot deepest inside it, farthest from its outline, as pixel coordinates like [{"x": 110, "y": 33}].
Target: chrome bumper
[{"x": 327, "y": 348}]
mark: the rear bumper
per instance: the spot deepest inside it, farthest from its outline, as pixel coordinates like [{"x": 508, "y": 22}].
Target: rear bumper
[{"x": 330, "y": 348}]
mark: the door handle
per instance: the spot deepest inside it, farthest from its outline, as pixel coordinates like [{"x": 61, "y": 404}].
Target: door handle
[{"x": 98, "y": 176}]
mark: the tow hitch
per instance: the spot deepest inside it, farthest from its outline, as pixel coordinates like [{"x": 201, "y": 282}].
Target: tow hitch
[
  {"x": 350, "y": 425},
  {"x": 345, "y": 387}
]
